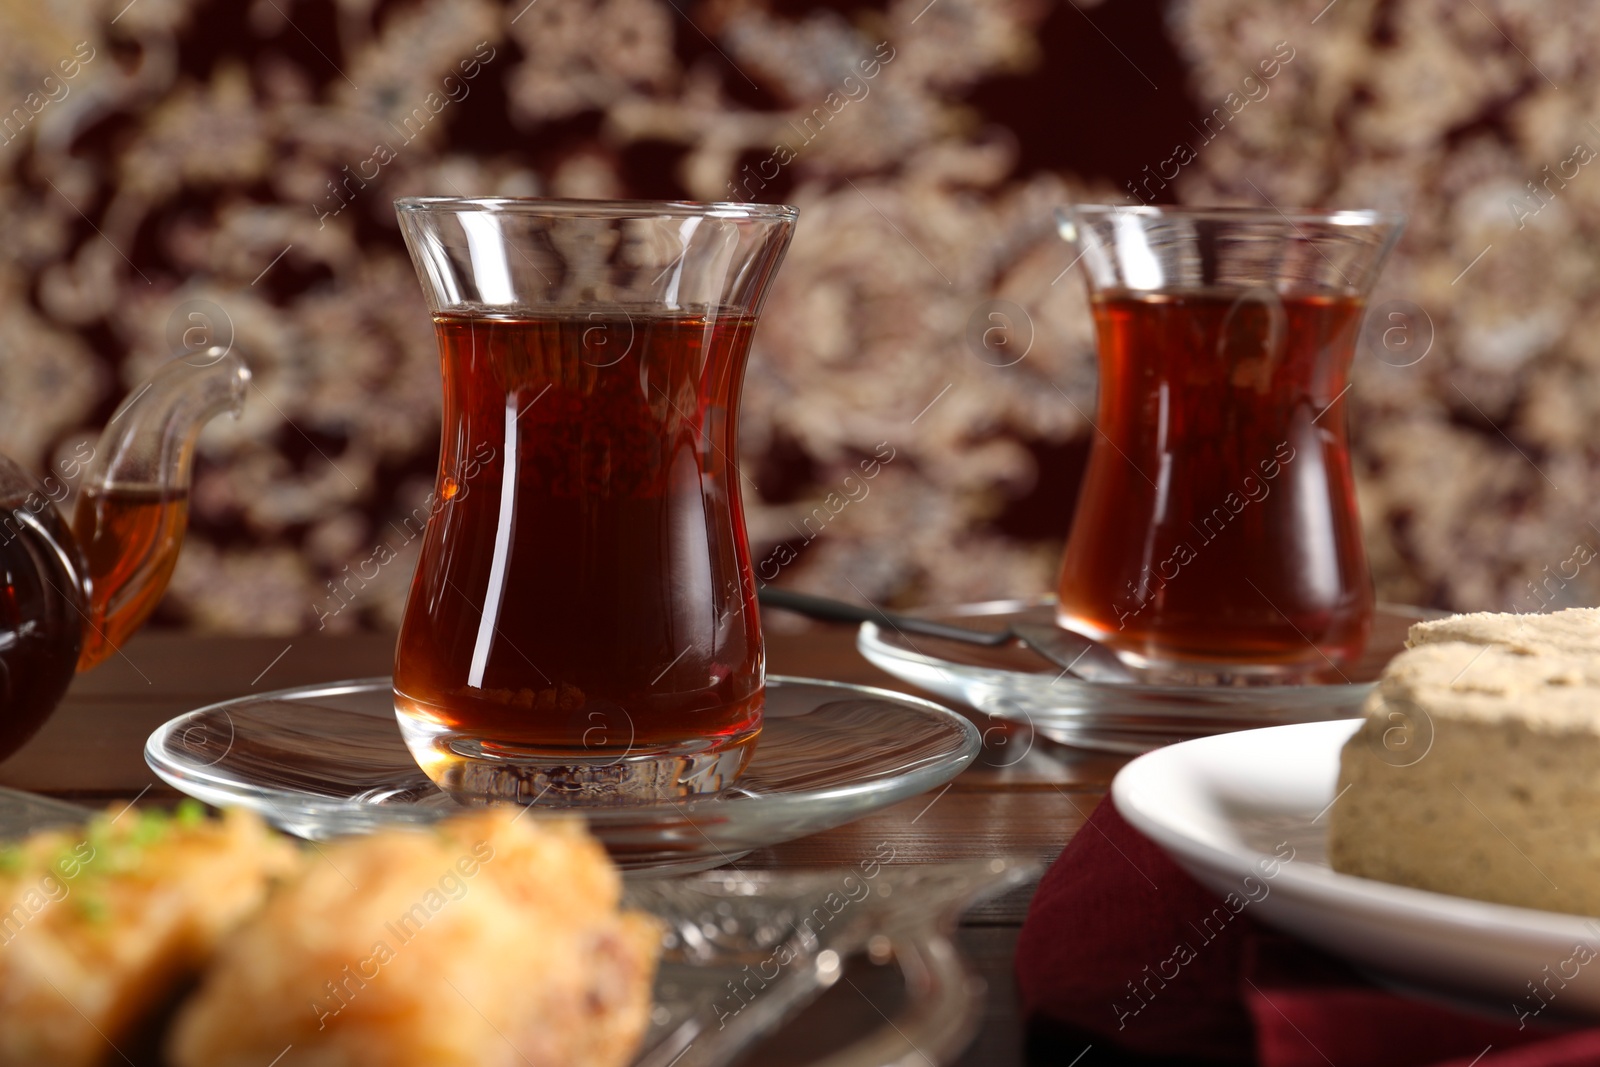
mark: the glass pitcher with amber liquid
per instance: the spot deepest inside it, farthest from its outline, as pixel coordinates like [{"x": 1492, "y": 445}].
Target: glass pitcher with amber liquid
[{"x": 72, "y": 592}]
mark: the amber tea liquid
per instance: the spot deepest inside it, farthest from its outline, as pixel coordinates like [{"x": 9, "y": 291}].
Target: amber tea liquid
[
  {"x": 130, "y": 537},
  {"x": 1217, "y": 520},
  {"x": 579, "y": 594}
]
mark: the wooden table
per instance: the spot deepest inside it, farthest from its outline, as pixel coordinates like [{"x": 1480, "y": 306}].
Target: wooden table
[{"x": 1024, "y": 797}]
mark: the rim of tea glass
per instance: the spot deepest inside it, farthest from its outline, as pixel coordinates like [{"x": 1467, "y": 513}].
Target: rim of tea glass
[
  {"x": 571, "y": 207},
  {"x": 1226, "y": 213}
]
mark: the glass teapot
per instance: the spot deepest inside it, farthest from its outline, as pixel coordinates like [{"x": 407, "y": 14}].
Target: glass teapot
[{"x": 69, "y": 597}]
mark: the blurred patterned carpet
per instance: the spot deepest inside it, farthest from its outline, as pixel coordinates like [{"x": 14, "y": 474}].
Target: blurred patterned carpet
[{"x": 171, "y": 171}]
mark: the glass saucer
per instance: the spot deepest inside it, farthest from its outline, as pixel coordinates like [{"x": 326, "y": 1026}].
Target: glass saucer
[
  {"x": 1009, "y": 682},
  {"x": 319, "y": 761}
]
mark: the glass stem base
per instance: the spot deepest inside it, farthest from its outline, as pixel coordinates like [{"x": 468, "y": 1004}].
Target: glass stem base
[{"x": 474, "y": 770}]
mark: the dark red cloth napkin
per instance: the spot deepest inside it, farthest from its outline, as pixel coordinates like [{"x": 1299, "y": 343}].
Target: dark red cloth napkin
[{"x": 1122, "y": 945}]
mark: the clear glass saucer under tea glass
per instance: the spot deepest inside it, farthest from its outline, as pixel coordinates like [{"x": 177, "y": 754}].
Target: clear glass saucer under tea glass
[
  {"x": 1011, "y": 683},
  {"x": 324, "y": 760}
]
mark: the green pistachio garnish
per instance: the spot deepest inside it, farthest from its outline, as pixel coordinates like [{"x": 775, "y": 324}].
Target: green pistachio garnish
[
  {"x": 151, "y": 828},
  {"x": 190, "y": 813},
  {"x": 94, "y": 909}
]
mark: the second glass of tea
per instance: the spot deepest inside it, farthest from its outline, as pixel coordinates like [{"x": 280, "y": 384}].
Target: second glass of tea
[
  {"x": 582, "y": 626},
  {"x": 1216, "y": 535}
]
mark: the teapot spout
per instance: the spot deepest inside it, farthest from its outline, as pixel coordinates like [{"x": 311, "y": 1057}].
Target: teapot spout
[{"x": 134, "y": 503}]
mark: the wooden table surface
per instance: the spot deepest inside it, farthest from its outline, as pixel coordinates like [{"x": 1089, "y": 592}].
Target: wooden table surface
[{"x": 1025, "y": 797}]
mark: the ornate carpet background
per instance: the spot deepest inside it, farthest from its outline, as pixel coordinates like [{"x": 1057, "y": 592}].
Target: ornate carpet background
[{"x": 216, "y": 167}]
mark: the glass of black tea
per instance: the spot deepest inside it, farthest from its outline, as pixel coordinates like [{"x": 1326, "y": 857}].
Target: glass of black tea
[
  {"x": 1216, "y": 535},
  {"x": 582, "y": 625}
]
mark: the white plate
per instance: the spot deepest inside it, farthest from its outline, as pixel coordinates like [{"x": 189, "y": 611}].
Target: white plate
[{"x": 1221, "y": 806}]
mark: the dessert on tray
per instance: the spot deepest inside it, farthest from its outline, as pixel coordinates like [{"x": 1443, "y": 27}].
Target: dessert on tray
[
  {"x": 105, "y": 924},
  {"x": 1475, "y": 771},
  {"x": 484, "y": 941}
]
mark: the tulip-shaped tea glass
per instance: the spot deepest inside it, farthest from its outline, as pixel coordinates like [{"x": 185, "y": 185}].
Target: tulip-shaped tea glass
[
  {"x": 1216, "y": 534},
  {"x": 582, "y": 625}
]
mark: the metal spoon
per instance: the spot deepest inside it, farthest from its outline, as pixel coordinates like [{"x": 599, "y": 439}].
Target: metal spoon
[{"x": 1075, "y": 654}]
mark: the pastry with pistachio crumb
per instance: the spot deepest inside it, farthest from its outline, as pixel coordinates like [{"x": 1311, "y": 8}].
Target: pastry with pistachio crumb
[
  {"x": 102, "y": 925},
  {"x": 487, "y": 941}
]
